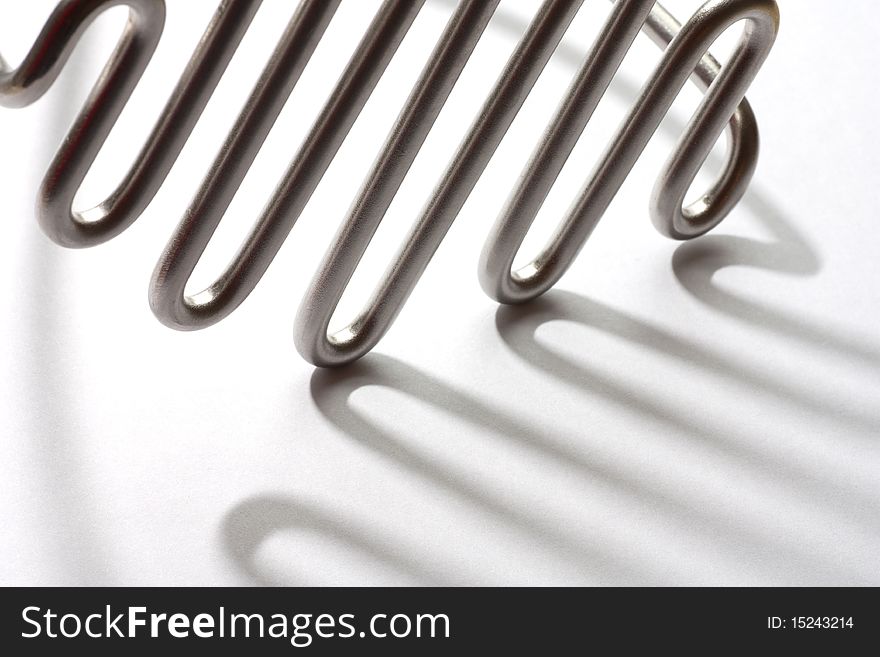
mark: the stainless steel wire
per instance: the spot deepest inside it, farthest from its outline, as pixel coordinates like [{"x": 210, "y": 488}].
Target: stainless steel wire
[{"x": 685, "y": 56}]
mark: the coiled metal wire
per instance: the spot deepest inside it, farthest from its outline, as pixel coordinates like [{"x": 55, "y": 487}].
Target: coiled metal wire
[{"x": 685, "y": 56}]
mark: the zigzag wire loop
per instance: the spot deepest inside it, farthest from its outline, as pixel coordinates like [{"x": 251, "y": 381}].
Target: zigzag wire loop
[{"x": 685, "y": 56}]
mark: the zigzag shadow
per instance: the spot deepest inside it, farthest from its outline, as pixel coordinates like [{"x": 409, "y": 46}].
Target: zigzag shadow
[
  {"x": 331, "y": 391},
  {"x": 518, "y": 325},
  {"x": 598, "y": 559}
]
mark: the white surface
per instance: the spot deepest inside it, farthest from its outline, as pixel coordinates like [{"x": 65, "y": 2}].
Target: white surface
[{"x": 700, "y": 413}]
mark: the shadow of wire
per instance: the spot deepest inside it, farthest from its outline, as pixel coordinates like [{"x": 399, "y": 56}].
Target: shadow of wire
[
  {"x": 695, "y": 264},
  {"x": 331, "y": 391},
  {"x": 599, "y": 561},
  {"x": 518, "y": 325},
  {"x": 256, "y": 519}
]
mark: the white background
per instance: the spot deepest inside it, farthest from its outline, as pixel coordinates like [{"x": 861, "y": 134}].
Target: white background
[{"x": 698, "y": 413}]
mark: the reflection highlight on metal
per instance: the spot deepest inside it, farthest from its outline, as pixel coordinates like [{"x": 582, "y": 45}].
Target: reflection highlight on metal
[{"x": 685, "y": 56}]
